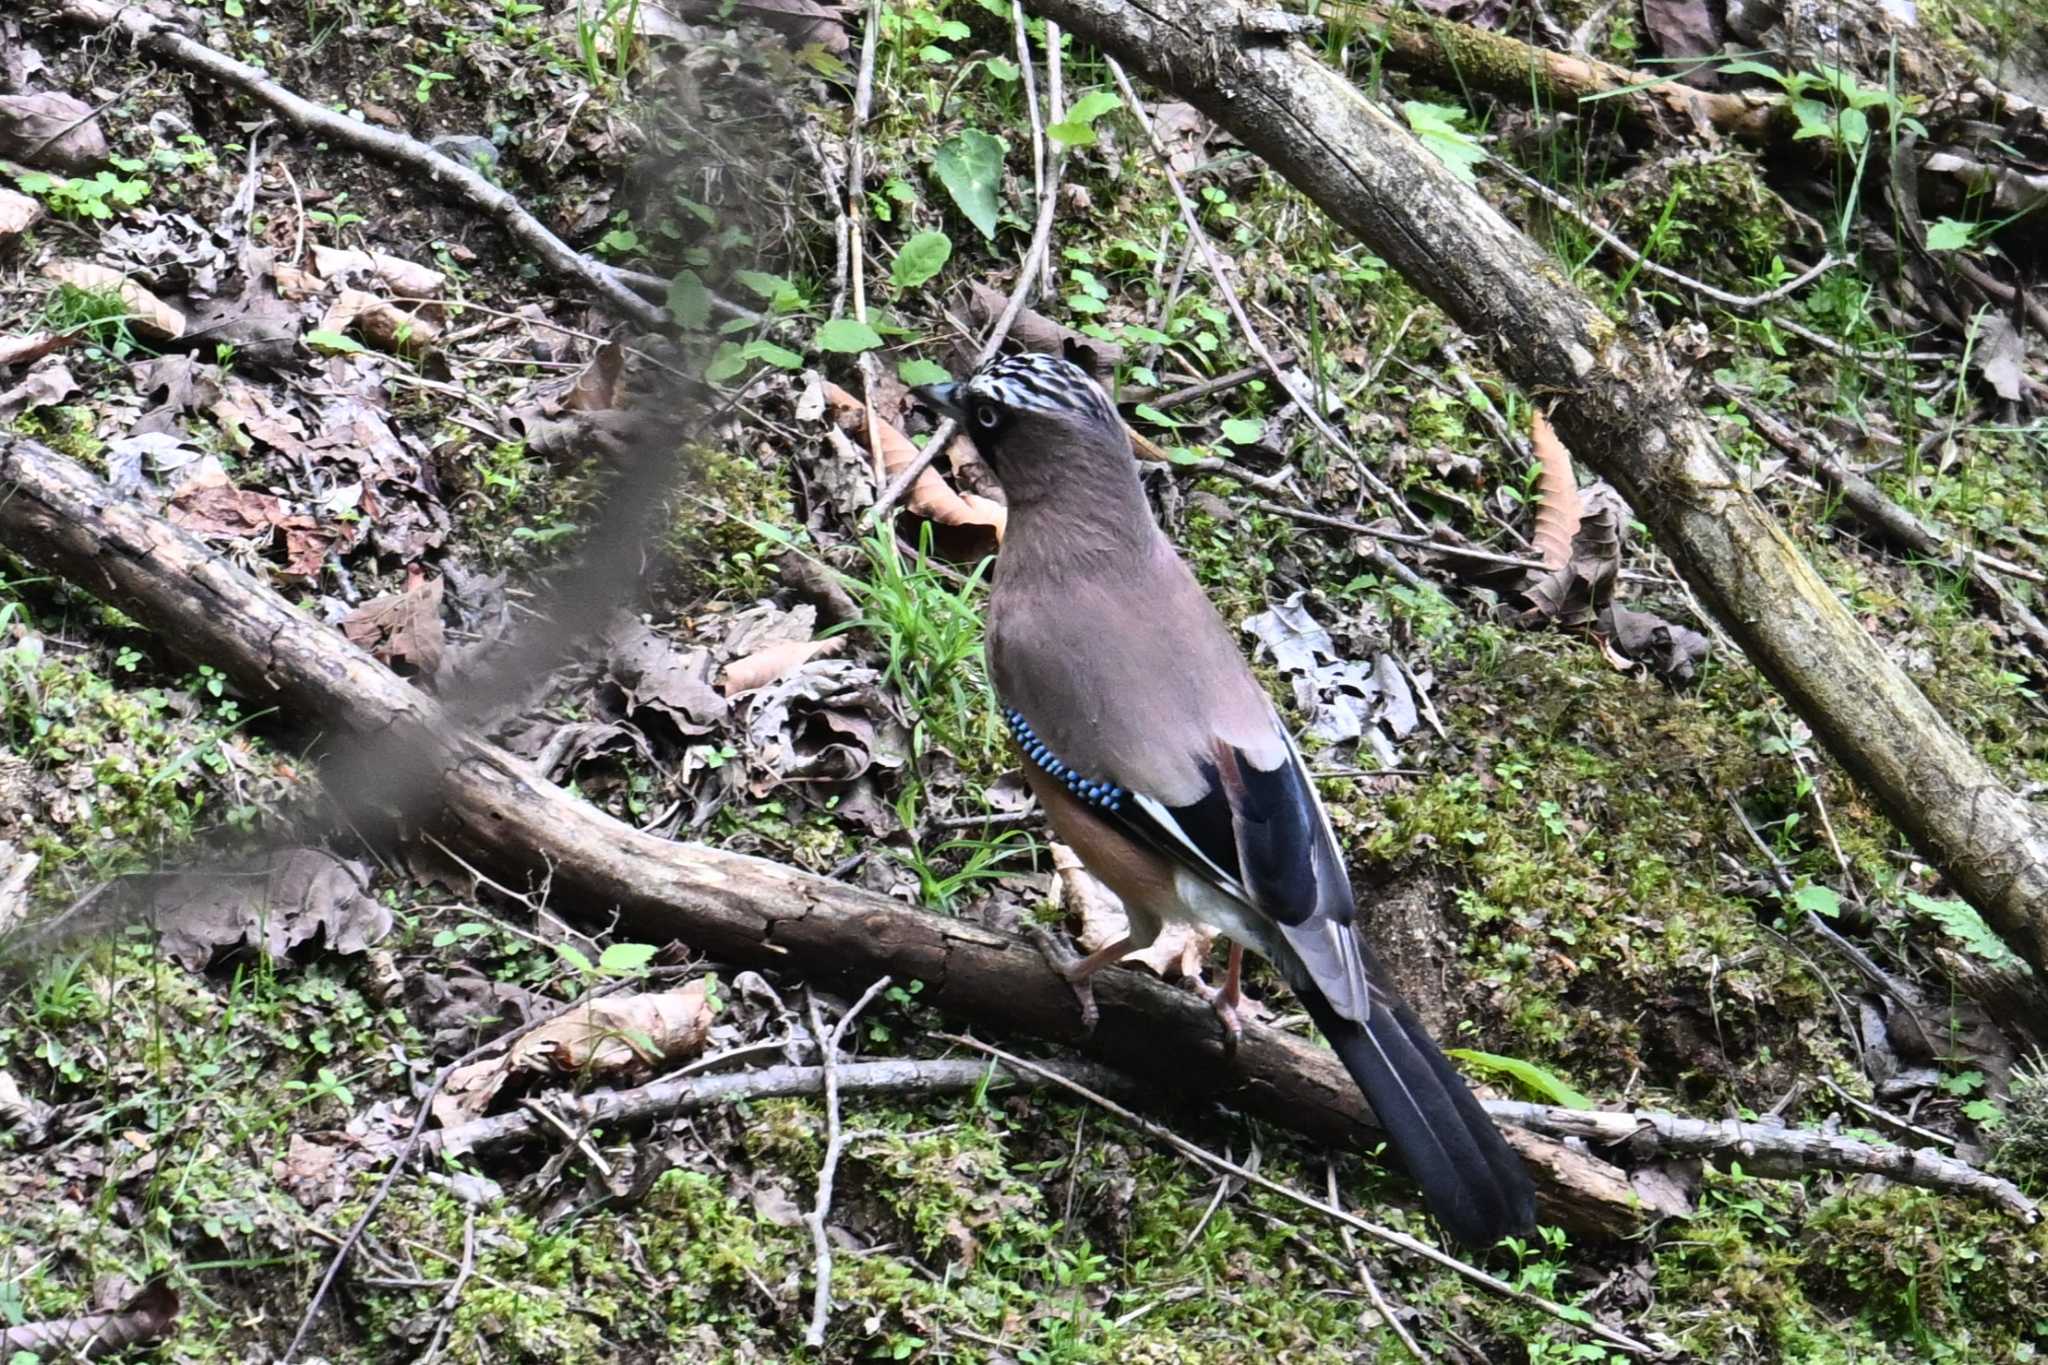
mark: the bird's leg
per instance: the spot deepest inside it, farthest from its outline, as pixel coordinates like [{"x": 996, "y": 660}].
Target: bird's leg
[
  {"x": 1077, "y": 969},
  {"x": 1225, "y": 999}
]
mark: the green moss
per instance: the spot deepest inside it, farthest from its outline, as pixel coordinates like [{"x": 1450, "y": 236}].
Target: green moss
[
  {"x": 1713, "y": 209},
  {"x": 1588, "y": 911},
  {"x": 717, "y": 540},
  {"x": 1942, "y": 1276},
  {"x": 66, "y": 429}
]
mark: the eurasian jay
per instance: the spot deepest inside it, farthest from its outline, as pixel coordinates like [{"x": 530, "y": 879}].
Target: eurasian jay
[{"x": 1161, "y": 761}]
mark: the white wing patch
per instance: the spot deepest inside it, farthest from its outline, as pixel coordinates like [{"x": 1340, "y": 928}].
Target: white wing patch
[{"x": 1163, "y": 817}]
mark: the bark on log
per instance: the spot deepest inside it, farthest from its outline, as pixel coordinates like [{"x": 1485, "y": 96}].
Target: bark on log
[
  {"x": 493, "y": 811},
  {"x": 1619, "y": 404}
]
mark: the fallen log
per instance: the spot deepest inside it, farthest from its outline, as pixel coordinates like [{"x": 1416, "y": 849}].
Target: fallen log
[
  {"x": 1621, "y": 406},
  {"x": 495, "y": 812}
]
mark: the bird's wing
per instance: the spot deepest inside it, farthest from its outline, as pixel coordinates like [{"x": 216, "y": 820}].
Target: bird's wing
[{"x": 1258, "y": 835}]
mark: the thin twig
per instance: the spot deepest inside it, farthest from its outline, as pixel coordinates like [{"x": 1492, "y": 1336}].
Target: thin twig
[
  {"x": 1359, "y": 528},
  {"x": 453, "y": 1298},
  {"x": 1767, "y": 1150},
  {"x": 1253, "y": 339},
  {"x": 1020, "y": 295},
  {"x": 835, "y": 1141},
  {"x": 1222, "y": 383},
  {"x": 1741, "y": 303},
  {"x": 1372, "y": 1288},
  {"x": 1576, "y": 1317},
  {"x": 1055, "y": 111},
  {"x": 160, "y": 39},
  {"x": 679, "y": 1093},
  {"x": 1025, "y": 65},
  {"x": 411, "y": 1144},
  {"x": 577, "y": 1139},
  {"x": 1889, "y": 1120},
  {"x": 852, "y": 217},
  {"x": 1889, "y": 519}
]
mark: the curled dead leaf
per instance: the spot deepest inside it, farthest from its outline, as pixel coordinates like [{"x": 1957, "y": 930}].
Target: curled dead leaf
[
  {"x": 774, "y": 661},
  {"x": 16, "y": 350},
  {"x": 1034, "y": 331},
  {"x": 394, "y": 273},
  {"x": 273, "y": 906},
  {"x": 148, "y": 314},
  {"x": 1559, "y": 509},
  {"x": 930, "y": 496},
  {"x": 385, "y": 325},
  {"x": 49, "y": 128},
  {"x": 401, "y": 627},
  {"x": 620, "y": 1035},
  {"x": 18, "y": 213}
]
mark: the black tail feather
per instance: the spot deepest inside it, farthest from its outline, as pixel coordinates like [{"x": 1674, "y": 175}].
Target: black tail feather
[{"x": 1472, "y": 1181}]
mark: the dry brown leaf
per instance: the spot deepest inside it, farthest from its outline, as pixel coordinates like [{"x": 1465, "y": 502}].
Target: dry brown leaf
[
  {"x": 597, "y": 385},
  {"x": 49, "y": 383},
  {"x": 930, "y": 496},
  {"x": 296, "y": 284},
  {"x": 148, "y": 314},
  {"x": 623, "y": 1035},
  {"x": 395, "y": 273},
  {"x": 778, "y": 660},
  {"x": 1178, "y": 952},
  {"x": 401, "y": 627},
  {"x": 1558, "y": 507},
  {"x": 18, "y": 213},
  {"x": 209, "y": 504},
  {"x": 51, "y": 129},
  {"x": 146, "y": 1317},
  {"x": 289, "y": 898},
  {"x": 20, "y": 350},
  {"x": 383, "y": 324},
  {"x": 1034, "y": 331}
]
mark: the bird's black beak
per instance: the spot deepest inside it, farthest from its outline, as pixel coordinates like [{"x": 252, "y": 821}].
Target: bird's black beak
[{"x": 944, "y": 399}]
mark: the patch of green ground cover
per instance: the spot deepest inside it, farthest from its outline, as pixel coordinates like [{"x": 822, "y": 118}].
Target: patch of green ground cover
[{"x": 106, "y": 761}]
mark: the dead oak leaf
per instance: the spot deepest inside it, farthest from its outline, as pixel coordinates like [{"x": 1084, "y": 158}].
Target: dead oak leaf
[
  {"x": 775, "y": 661},
  {"x": 147, "y": 314},
  {"x": 50, "y": 128},
  {"x": 401, "y": 627},
  {"x": 929, "y": 496}
]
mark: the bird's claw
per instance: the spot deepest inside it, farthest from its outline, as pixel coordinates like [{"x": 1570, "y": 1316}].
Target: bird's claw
[
  {"x": 1224, "y": 1000},
  {"x": 1068, "y": 963}
]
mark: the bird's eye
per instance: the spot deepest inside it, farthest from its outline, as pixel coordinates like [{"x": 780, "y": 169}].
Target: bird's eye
[{"x": 987, "y": 415}]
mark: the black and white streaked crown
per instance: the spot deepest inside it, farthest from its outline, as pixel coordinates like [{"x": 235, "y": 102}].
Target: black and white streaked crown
[{"x": 1031, "y": 382}]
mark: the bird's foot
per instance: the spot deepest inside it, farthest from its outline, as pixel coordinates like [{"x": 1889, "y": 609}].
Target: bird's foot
[
  {"x": 1224, "y": 1000},
  {"x": 1077, "y": 970}
]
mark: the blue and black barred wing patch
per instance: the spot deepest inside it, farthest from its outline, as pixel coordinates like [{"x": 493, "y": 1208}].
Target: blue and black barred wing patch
[{"x": 1201, "y": 836}]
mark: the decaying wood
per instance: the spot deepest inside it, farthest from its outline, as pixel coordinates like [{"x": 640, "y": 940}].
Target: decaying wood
[
  {"x": 494, "y": 811},
  {"x": 1621, "y": 407}
]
